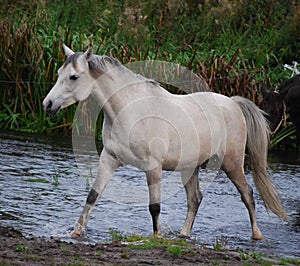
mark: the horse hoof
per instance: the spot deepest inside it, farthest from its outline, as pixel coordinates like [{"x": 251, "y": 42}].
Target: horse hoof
[
  {"x": 157, "y": 235},
  {"x": 257, "y": 237},
  {"x": 76, "y": 234}
]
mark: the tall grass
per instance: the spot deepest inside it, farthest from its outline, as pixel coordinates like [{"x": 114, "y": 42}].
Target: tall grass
[{"x": 233, "y": 45}]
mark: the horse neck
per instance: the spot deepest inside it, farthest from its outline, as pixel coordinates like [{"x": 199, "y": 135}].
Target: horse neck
[{"x": 119, "y": 87}]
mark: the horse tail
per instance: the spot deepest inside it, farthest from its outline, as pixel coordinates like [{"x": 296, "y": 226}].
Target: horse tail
[{"x": 257, "y": 145}]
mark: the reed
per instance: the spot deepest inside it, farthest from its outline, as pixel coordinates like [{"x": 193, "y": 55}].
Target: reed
[
  {"x": 233, "y": 45},
  {"x": 285, "y": 138}
]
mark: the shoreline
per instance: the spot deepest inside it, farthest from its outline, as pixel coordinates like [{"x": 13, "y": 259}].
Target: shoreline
[{"x": 15, "y": 249}]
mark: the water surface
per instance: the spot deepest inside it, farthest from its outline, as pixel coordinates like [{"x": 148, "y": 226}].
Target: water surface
[{"x": 32, "y": 201}]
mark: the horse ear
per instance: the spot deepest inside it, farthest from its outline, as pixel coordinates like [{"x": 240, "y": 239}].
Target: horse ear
[
  {"x": 89, "y": 52},
  {"x": 264, "y": 90},
  {"x": 67, "y": 50}
]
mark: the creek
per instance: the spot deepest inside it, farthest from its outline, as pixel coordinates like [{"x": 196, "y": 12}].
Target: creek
[{"x": 42, "y": 192}]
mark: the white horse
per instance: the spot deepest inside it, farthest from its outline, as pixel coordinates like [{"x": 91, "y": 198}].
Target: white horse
[{"x": 149, "y": 128}]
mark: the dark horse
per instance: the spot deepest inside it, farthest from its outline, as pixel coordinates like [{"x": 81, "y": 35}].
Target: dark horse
[{"x": 286, "y": 98}]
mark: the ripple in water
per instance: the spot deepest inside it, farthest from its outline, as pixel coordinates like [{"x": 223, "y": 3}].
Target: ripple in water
[{"x": 32, "y": 203}]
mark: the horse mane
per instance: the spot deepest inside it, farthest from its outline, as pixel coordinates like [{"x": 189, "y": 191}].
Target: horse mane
[{"x": 99, "y": 65}]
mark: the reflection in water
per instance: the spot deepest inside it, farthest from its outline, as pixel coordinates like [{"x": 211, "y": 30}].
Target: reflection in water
[{"x": 31, "y": 202}]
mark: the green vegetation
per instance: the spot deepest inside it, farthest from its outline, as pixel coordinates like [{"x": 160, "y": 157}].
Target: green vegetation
[
  {"x": 37, "y": 180},
  {"x": 220, "y": 243},
  {"x": 286, "y": 136},
  {"x": 289, "y": 261},
  {"x": 58, "y": 174},
  {"x": 175, "y": 250},
  {"x": 173, "y": 246},
  {"x": 179, "y": 247},
  {"x": 125, "y": 256},
  {"x": 22, "y": 248},
  {"x": 233, "y": 45}
]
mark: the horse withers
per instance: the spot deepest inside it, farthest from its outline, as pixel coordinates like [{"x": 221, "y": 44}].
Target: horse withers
[
  {"x": 154, "y": 130},
  {"x": 286, "y": 98}
]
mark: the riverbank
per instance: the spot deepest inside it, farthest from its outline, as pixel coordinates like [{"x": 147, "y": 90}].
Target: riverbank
[{"x": 15, "y": 249}]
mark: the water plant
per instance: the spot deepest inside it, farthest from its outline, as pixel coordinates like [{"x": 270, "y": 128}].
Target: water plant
[
  {"x": 116, "y": 235},
  {"x": 220, "y": 243},
  {"x": 57, "y": 175},
  {"x": 55, "y": 179},
  {"x": 36, "y": 180}
]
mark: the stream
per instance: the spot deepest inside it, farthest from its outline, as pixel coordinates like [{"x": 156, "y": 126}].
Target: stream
[{"x": 42, "y": 192}]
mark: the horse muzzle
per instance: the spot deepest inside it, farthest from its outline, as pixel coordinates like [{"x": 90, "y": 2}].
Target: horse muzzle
[{"x": 50, "y": 109}]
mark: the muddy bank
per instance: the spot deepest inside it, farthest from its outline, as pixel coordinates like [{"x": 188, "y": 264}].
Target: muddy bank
[{"x": 15, "y": 249}]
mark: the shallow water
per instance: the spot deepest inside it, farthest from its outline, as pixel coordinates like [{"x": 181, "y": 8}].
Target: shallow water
[{"x": 31, "y": 202}]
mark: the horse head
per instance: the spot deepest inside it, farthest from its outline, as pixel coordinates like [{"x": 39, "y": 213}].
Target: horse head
[
  {"x": 73, "y": 83},
  {"x": 272, "y": 104}
]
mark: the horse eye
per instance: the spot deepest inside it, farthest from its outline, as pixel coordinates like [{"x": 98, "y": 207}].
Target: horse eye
[{"x": 74, "y": 77}]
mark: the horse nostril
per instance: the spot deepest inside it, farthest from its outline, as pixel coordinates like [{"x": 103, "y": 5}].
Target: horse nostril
[{"x": 48, "y": 106}]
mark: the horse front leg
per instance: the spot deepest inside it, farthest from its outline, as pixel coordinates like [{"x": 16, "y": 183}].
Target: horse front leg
[
  {"x": 194, "y": 197},
  {"x": 107, "y": 166},
  {"x": 154, "y": 178}
]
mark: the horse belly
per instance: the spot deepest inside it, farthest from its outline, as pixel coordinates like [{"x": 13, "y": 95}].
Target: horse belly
[{"x": 189, "y": 149}]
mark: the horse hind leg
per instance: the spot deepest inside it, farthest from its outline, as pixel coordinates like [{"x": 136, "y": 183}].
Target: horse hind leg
[
  {"x": 236, "y": 174},
  {"x": 194, "y": 197},
  {"x": 154, "y": 178}
]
